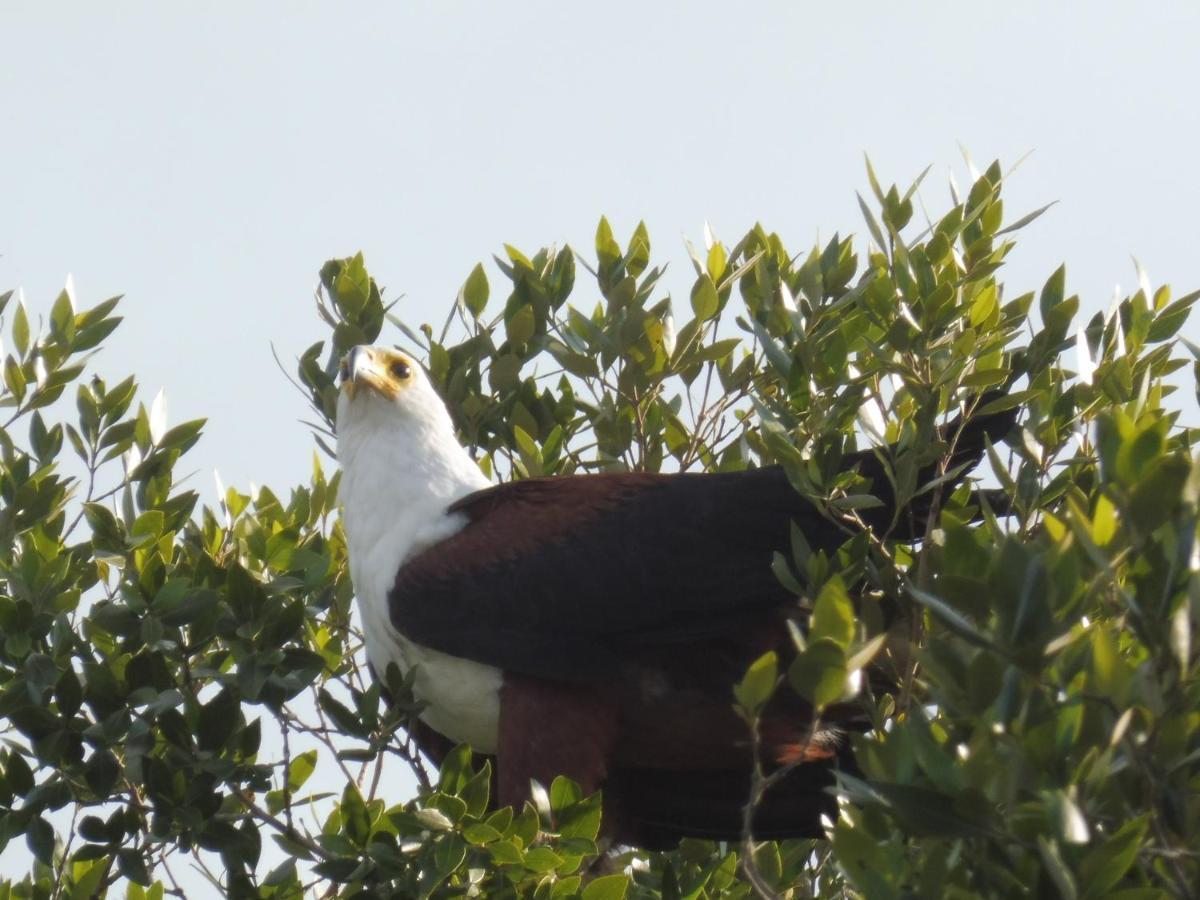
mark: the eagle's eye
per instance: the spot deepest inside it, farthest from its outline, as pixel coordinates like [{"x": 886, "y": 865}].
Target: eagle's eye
[
  {"x": 400, "y": 369},
  {"x": 344, "y": 370}
]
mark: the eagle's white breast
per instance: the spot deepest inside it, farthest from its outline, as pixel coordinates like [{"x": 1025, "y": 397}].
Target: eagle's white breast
[{"x": 401, "y": 468}]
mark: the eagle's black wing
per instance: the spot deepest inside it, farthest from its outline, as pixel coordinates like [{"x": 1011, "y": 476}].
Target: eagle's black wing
[{"x": 562, "y": 577}]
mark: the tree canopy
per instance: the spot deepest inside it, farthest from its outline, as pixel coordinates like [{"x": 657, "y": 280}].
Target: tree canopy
[{"x": 183, "y": 693}]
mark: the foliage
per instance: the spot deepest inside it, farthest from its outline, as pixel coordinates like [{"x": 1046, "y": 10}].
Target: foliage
[{"x": 182, "y": 686}]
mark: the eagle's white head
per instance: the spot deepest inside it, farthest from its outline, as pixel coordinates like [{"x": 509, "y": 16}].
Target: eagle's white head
[
  {"x": 394, "y": 434},
  {"x": 382, "y": 387},
  {"x": 402, "y": 466}
]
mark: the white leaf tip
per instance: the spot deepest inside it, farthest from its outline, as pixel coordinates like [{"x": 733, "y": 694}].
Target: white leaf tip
[{"x": 158, "y": 416}]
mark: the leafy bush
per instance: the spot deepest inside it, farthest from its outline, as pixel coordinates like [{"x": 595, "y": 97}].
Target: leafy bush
[{"x": 182, "y": 689}]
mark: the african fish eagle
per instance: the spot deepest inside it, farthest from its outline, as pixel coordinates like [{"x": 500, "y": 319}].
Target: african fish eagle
[{"x": 589, "y": 625}]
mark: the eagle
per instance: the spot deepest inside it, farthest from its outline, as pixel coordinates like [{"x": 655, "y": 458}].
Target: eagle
[{"x": 593, "y": 625}]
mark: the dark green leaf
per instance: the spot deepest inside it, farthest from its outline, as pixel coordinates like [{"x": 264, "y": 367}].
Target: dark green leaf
[
  {"x": 40, "y": 838},
  {"x": 355, "y": 819}
]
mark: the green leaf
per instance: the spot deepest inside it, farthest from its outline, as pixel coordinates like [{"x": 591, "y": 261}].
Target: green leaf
[
  {"x": 607, "y": 887},
  {"x": 576, "y": 363},
  {"x": 476, "y": 792},
  {"x": 352, "y": 287},
  {"x": 182, "y": 436},
  {"x": 474, "y": 292},
  {"x": 346, "y": 720},
  {"x": 506, "y": 853},
  {"x": 1104, "y": 521},
  {"x": 300, "y": 769},
  {"x": 783, "y": 573},
  {"x": 833, "y": 614},
  {"x": 480, "y": 834},
  {"x": 767, "y": 858},
  {"x": 716, "y": 262},
  {"x": 1025, "y": 219},
  {"x": 818, "y": 674},
  {"x": 637, "y": 256},
  {"x": 62, "y": 317},
  {"x": 757, "y": 685},
  {"x": 521, "y": 260},
  {"x": 985, "y": 378},
  {"x": 218, "y": 719},
  {"x": 102, "y": 771},
  {"x": 99, "y": 312},
  {"x": 132, "y": 865},
  {"x": 504, "y": 372},
  {"x": 18, "y": 774},
  {"x": 717, "y": 350},
  {"x": 871, "y": 177},
  {"x": 872, "y": 223},
  {"x": 1056, "y": 867},
  {"x": 92, "y": 336},
  {"x": 68, "y": 693},
  {"x": 777, "y": 355},
  {"x": 581, "y": 819},
  {"x": 542, "y": 859},
  {"x": 520, "y": 325},
  {"x": 608, "y": 255},
  {"x": 1053, "y": 292},
  {"x": 607, "y": 248},
  {"x": 20, "y": 329},
  {"x": 950, "y": 617},
  {"x": 984, "y": 307},
  {"x": 149, "y": 525},
  {"x": 563, "y": 793},
  {"x": 455, "y": 770},
  {"x": 705, "y": 301},
  {"x": 454, "y": 808},
  {"x": 14, "y": 378},
  {"x": 1169, "y": 320}
]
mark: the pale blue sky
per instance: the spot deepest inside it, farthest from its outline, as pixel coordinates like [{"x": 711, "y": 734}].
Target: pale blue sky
[{"x": 205, "y": 159}]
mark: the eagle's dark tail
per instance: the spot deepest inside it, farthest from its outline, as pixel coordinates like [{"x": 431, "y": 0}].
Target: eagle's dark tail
[
  {"x": 654, "y": 809},
  {"x": 970, "y": 439}
]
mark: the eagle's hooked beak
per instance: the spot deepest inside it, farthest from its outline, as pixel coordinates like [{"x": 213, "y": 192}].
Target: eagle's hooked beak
[{"x": 354, "y": 366}]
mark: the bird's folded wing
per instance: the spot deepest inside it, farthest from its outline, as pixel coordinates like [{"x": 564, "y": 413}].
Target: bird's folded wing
[
  {"x": 554, "y": 576},
  {"x": 562, "y": 577}
]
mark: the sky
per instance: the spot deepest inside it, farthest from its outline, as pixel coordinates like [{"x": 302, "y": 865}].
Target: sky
[{"x": 205, "y": 159}]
